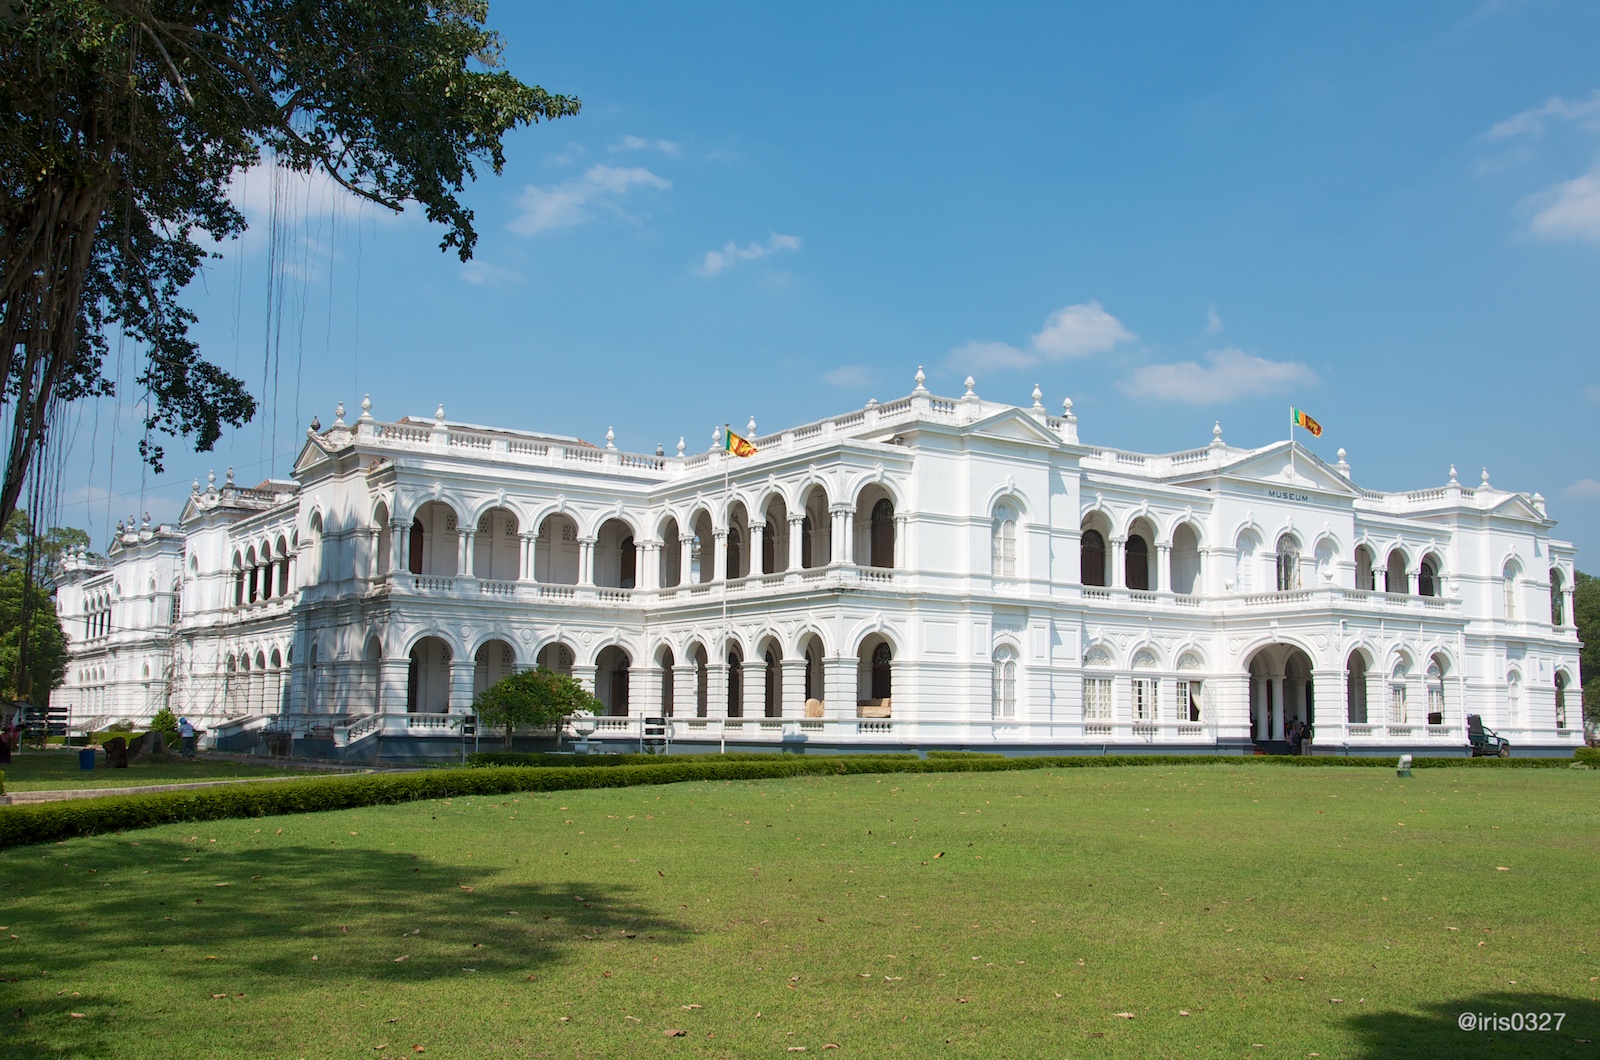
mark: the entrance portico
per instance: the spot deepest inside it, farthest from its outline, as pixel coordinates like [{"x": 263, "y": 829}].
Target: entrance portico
[{"x": 1281, "y": 695}]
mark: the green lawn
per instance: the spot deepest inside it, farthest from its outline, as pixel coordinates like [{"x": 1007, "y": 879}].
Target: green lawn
[
  {"x": 58, "y": 771},
  {"x": 1007, "y": 914}
]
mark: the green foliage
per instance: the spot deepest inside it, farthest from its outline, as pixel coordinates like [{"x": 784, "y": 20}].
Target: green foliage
[
  {"x": 483, "y": 759},
  {"x": 2, "y": 782},
  {"x": 126, "y": 122},
  {"x": 534, "y": 699},
  {"x": 963, "y": 754},
  {"x": 47, "y": 547},
  {"x": 166, "y": 723},
  {"x": 1586, "y": 616},
  {"x": 47, "y": 645},
  {"x": 1587, "y": 755}
]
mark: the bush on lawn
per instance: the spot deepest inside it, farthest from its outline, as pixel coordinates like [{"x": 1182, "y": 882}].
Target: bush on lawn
[
  {"x": 1588, "y": 755},
  {"x": 963, "y": 754}
]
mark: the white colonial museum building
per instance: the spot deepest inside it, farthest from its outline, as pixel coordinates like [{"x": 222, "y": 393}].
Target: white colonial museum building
[{"x": 930, "y": 572}]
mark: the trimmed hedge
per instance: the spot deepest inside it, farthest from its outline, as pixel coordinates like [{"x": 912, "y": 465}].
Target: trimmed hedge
[
  {"x": 1588, "y": 755},
  {"x": 963, "y": 754},
  {"x": 46, "y": 822},
  {"x": 2, "y": 782},
  {"x": 480, "y": 759}
]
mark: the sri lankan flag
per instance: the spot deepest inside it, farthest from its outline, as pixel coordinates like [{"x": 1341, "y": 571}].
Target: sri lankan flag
[
  {"x": 1302, "y": 420},
  {"x": 736, "y": 445}
]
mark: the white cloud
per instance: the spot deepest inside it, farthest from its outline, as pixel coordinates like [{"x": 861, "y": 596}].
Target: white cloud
[
  {"x": 1570, "y": 210},
  {"x": 1213, "y": 322},
  {"x": 1080, "y": 330},
  {"x": 639, "y": 143},
  {"x": 482, "y": 273},
  {"x": 848, "y": 376},
  {"x": 567, "y": 155},
  {"x": 1585, "y": 489},
  {"x": 1072, "y": 331},
  {"x": 731, "y": 253},
  {"x": 570, "y": 202},
  {"x": 1227, "y": 375},
  {"x": 1531, "y": 122}
]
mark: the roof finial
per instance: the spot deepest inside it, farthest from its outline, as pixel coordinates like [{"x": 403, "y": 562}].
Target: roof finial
[
  {"x": 230, "y": 477},
  {"x": 716, "y": 437},
  {"x": 438, "y": 413},
  {"x": 751, "y": 427},
  {"x": 338, "y": 415},
  {"x": 1453, "y": 480},
  {"x": 211, "y": 481},
  {"x": 1216, "y": 434},
  {"x": 1484, "y": 479},
  {"x": 316, "y": 424},
  {"x": 1038, "y": 398},
  {"x": 1343, "y": 466},
  {"x": 611, "y": 438},
  {"x": 921, "y": 379},
  {"x": 366, "y": 407},
  {"x": 681, "y": 447},
  {"x": 194, "y": 490},
  {"x": 970, "y": 384}
]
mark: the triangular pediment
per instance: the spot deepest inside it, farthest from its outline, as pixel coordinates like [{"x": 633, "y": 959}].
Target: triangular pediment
[
  {"x": 1271, "y": 468},
  {"x": 311, "y": 454},
  {"x": 1013, "y": 425}
]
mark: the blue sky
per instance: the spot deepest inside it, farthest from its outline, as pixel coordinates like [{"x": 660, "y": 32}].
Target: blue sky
[{"x": 1387, "y": 214}]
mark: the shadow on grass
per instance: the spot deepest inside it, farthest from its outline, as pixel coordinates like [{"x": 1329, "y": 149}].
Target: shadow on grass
[
  {"x": 172, "y": 932},
  {"x": 1437, "y": 1032}
]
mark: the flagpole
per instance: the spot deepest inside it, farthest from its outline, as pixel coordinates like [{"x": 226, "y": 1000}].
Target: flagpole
[
  {"x": 722, "y": 748},
  {"x": 1291, "y": 441}
]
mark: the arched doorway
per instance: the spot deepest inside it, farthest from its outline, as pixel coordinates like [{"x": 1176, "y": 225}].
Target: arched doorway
[
  {"x": 493, "y": 662},
  {"x": 557, "y": 658},
  {"x": 874, "y": 677},
  {"x": 1282, "y": 698},
  {"x": 611, "y": 680},
  {"x": 428, "y": 689}
]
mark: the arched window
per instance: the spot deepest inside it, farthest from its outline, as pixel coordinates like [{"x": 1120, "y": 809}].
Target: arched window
[
  {"x": 1146, "y": 689},
  {"x": 1561, "y": 699},
  {"x": 666, "y": 682},
  {"x": 628, "y": 563},
  {"x": 1365, "y": 577},
  {"x": 1434, "y": 679},
  {"x": 1097, "y": 688},
  {"x": 772, "y": 685},
  {"x": 1004, "y": 544},
  {"x": 1005, "y": 684},
  {"x": 1092, "y": 558},
  {"x": 882, "y": 656},
  {"x": 883, "y": 533},
  {"x": 414, "y": 560},
  {"x": 1509, "y": 584},
  {"x": 1397, "y": 693},
  {"x": 1397, "y": 580},
  {"x": 1136, "y": 563},
  {"x": 1557, "y": 610},
  {"x": 1185, "y": 560},
  {"x": 805, "y": 542},
  {"x": 1288, "y": 563},
  {"x": 735, "y": 552},
  {"x": 1514, "y": 698},
  {"x": 1355, "y": 689},
  {"x": 735, "y": 684}
]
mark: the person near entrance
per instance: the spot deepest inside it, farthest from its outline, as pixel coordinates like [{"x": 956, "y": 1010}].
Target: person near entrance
[{"x": 186, "y": 734}]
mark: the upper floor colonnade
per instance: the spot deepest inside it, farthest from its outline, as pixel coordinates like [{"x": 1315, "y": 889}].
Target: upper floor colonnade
[{"x": 614, "y": 551}]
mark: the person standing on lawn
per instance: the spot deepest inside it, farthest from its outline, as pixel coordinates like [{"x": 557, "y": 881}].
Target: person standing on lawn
[{"x": 186, "y": 734}]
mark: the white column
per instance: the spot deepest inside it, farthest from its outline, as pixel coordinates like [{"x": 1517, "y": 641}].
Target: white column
[
  {"x": 464, "y": 553},
  {"x": 1276, "y": 684},
  {"x": 843, "y": 547},
  {"x": 1119, "y": 562},
  {"x": 755, "y": 687},
  {"x": 585, "y": 676},
  {"x": 719, "y": 569},
  {"x": 647, "y": 565},
  {"x": 461, "y": 674},
  {"x": 1258, "y": 706},
  {"x": 898, "y": 559},
  {"x": 758, "y": 547},
  {"x": 717, "y": 687},
  {"x": 686, "y": 559},
  {"x": 794, "y": 687},
  {"x": 839, "y": 685},
  {"x": 527, "y": 541},
  {"x": 797, "y": 533},
  {"x": 399, "y": 550},
  {"x": 585, "y": 561},
  {"x": 1163, "y": 568},
  {"x": 683, "y": 690}
]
